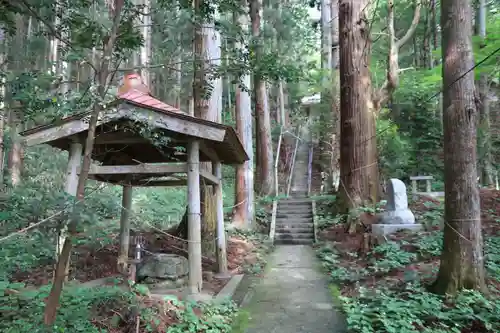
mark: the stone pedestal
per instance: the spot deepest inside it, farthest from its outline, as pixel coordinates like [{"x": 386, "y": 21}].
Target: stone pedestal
[
  {"x": 164, "y": 271},
  {"x": 398, "y": 216}
]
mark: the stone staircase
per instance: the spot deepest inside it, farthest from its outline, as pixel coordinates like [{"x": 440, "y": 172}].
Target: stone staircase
[
  {"x": 294, "y": 222},
  {"x": 294, "y": 216},
  {"x": 300, "y": 175}
]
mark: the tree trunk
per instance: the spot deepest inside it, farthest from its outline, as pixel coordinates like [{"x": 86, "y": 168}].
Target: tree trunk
[
  {"x": 263, "y": 118},
  {"x": 335, "y": 138},
  {"x": 462, "y": 263},
  {"x": 358, "y": 155},
  {"x": 145, "y": 54},
  {"x": 434, "y": 31},
  {"x": 484, "y": 139},
  {"x": 360, "y": 104},
  {"x": 243, "y": 212},
  {"x": 206, "y": 106},
  {"x": 15, "y": 155}
]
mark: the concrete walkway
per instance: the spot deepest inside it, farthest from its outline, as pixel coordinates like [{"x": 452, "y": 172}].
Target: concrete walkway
[{"x": 293, "y": 296}]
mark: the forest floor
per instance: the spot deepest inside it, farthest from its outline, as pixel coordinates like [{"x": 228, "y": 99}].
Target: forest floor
[
  {"x": 385, "y": 290},
  {"x": 92, "y": 263},
  {"x": 112, "y": 306}
]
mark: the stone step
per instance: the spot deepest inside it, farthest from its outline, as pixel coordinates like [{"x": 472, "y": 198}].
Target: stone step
[
  {"x": 294, "y": 241},
  {"x": 294, "y": 209},
  {"x": 295, "y": 201},
  {"x": 294, "y": 225},
  {"x": 288, "y": 230},
  {"x": 294, "y": 236},
  {"x": 294, "y": 215},
  {"x": 294, "y": 220}
]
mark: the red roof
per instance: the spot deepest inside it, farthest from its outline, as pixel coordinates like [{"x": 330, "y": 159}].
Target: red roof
[{"x": 146, "y": 100}]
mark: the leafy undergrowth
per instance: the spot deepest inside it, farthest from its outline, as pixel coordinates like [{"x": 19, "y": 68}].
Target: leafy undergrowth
[
  {"x": 95, "y": 257},
  {"x": 110, "y": 309},
  {"x": 385, "y": 290}
]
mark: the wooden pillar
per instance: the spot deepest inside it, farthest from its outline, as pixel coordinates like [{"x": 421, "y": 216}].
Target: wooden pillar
[
  {"x": 74, "y": 160},
  {"x": 428, "y": 186},
  {"x": 414, "y": 187},
  {"x": 194, "y": 218},
  {"x": 125, "y": 228},
  {"x": 221, "y": 232}
]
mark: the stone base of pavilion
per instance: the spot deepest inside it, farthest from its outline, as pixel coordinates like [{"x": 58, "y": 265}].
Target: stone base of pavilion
[
  {"x": 228, "y": 289},
  {"x": 126, "y": 157}
]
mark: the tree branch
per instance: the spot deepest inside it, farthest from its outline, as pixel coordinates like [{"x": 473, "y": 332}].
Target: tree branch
[
  {"x": 413, "y": 26},
  {"x": 382, "y": 95},
  {"x": 115, "y": 9}
]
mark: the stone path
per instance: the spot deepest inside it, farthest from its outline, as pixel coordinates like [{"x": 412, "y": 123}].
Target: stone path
[{"x": 293, "y": 296}]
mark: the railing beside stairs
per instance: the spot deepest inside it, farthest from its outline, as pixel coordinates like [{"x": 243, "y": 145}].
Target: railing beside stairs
[
  {"x": 290, "y": 177},
  {"x": 288, "y": 182},
  {"x": 309, "y": 169}
]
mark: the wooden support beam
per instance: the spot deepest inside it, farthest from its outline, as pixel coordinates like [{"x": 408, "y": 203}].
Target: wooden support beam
[
  {"x": 125, "y": 138},
  {"x": 169, "y": 122},
  {"x": 208, "y": 152},
  {"x": 149, "y": 169},
  {"x": 64, "y": 130},
  {"x": 74, "y": 160},
  {"x": 208, "y": 178},
  {"x": 194, "y": 219},
  {"x": 221, "y": 232},
  {"x": 138, "y": 169},
  {"x": 164, "y": 183},
  {"x": 174, "y": 123},
  {"x": 125, "y": 229}
]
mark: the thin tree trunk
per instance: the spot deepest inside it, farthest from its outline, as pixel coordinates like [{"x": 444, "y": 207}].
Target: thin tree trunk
[
  {"x": 3, "y": 111},
  {"x": 145, "y": 54},
  {"x": 462, "y": 261},
  {"x": 206, "y": 106},
  {"x": 15, "y": 156},
  {"x": 102, "y": 77},
  {"x": 263, "y": 118},
  {"x": 484, "y": 137},
  {"x": 334, "y": 178}
]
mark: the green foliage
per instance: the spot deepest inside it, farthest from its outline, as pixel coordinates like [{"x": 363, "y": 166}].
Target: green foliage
[
  {"x": 388, "y": 256},
  {"x": 216, "y": 318},
  {"x": 413, "y": 310},
  {"x": 97, "y": 310},
  {"x": 400, "y": 302},
  {"x": 81, "y": 308},
  {"x": 393, "y": 148}
]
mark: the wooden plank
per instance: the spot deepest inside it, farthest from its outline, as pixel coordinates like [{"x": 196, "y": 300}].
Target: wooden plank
[
  {"x": 137, "y": 169},
  {"x": 221, "y": 232},
  {"x": 172, "y": 123},
  {"x": 421, "y": 177},
  {"x": 67, "y": 129},
  {"x": 208, "y": 178},
  {"x": 163, "y": 183},
  {"x": 155, "y": 119}
]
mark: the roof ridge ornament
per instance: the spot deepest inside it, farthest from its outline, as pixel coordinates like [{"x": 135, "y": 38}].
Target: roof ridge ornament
[{"x": 130, "y": 82}]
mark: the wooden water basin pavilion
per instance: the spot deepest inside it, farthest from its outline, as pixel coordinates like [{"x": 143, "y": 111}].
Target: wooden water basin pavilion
[{"x": 141, "y": 141}]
